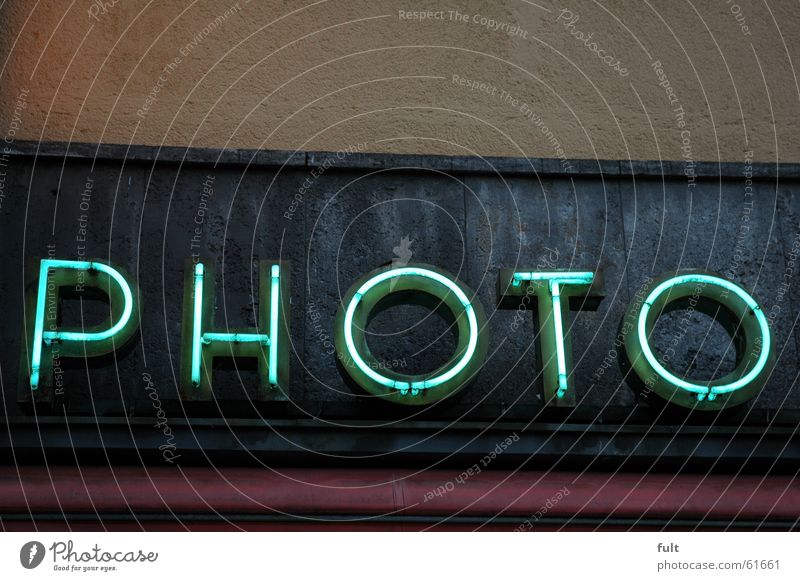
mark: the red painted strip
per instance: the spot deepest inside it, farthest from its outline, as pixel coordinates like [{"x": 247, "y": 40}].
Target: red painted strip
[
  {"x": 377, "y": 492},
  {"x": 237, "y": 526}
]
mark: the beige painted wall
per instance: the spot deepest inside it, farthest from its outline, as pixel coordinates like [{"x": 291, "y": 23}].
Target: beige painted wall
[{"x": 338, "y": 74}]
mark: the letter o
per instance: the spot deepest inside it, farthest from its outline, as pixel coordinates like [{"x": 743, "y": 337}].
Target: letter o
[
  {"x": 358, "y": 362},
  {"x": 741, "y": 316}
]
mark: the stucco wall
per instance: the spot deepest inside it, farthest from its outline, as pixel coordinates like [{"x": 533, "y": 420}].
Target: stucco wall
[{"x": 363, "y": 74}]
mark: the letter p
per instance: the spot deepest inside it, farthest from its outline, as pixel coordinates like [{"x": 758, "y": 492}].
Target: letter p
[{"x": 46, "y": 341}]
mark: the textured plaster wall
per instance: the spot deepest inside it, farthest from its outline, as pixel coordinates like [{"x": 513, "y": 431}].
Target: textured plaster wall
[{"x": 333, "y": 75}]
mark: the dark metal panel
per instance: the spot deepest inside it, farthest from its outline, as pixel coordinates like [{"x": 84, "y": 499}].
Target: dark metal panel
[
  {"x": 336, "y": 224},
  {"x": 420, "y": 444}
]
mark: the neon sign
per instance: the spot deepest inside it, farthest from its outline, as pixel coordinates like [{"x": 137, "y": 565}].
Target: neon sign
[
  {"x": 266, "y": 344},
  {"x": 47, "y": 343},
  {"x": 738, "y": 312},
  {"x": 365, "y": 297},
  {"x": 556, "y": 293}
]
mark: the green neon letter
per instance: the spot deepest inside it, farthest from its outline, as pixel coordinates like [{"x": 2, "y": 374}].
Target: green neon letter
[
  {"x": 359, "y": 363},
  {"x": 48, "y": 343},
  {"x": 269, "y": 344},
  {"x": 741, "y": 316},
  {"x": 553, "y": 290}
]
